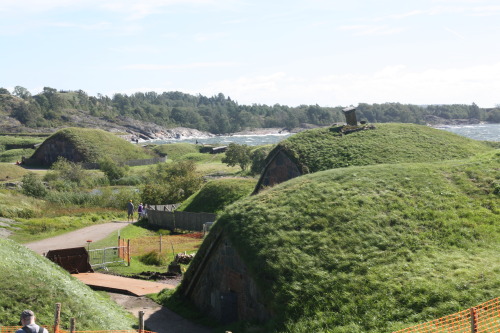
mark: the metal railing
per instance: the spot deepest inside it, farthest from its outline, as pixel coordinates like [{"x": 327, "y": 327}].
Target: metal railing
[{"x": 106, "y": 256}]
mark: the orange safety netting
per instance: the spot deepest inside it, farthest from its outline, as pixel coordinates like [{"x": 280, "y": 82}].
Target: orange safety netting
[
  {"x": 13, "y": 329},
  {"x": 484, "y": 318}
]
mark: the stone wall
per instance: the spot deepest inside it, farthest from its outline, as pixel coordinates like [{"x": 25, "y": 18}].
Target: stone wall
[
  {"x": 225, "y": 289},
  {"x": 50, "y": 151}
]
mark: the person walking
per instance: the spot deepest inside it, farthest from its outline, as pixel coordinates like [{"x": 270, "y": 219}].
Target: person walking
[
  {"x": 130, "y": 211},
  {"x": 29, "y": 325},
  {"x": 140, "y": 210}
]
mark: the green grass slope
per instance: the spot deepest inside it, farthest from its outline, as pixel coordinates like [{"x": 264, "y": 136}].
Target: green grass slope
[
  {"x": 174, "y": 151},
  {"x": 374, "y": 248},
  {"x": 325, "y": 148},
  {"x": 217, "y": 194},
  {"x": 10, "y": 172},
  {"x": 31, "y": 281},
  {"x": 93, "y": 144}
]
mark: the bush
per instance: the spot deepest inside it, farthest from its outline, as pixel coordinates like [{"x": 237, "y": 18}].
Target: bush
[
  {"x": 111, "y": 169},
  {"x": 154, "y": 258},
  {"x": 33, "y": 186}
]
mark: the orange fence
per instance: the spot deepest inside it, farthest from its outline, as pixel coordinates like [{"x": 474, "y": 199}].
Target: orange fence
[
  {"x": 13, "y": 329},
  {"x": 484, "y": 318}
]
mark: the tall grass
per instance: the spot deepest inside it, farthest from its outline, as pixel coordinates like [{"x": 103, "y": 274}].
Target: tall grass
[
  {"x": 30, "y": 280},
  {"x": 371, "y": 249}
]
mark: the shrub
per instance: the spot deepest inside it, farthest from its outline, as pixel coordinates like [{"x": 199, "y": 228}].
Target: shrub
[
  {"x": 33, "y": 186},
  {"x": 153, "y": 258}
]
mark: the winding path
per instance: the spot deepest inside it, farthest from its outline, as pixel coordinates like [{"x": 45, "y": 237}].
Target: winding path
[
  {"x": 76, "y": 238},
  {"x": 157, "y": 318}
]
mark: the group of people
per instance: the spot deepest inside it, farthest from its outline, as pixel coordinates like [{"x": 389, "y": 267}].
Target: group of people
[{"x": 141, "y": 211}]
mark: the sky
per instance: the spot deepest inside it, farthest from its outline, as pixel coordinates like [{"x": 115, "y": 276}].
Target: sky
[{"x": 293, "y": 52}]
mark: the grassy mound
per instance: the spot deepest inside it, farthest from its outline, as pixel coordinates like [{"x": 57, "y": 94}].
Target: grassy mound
[
  {"x": 13, "y": 155},
  {"x": 90, "y": 145},
  {"x": 326, "y": 148},
  {"x": 217, "y": 194},
  {"x": 9, "y": 172},
  {"x": 374, "y": 248},
  {"x": 174, "y": 151},
  {"x": 31, "y": 281}
]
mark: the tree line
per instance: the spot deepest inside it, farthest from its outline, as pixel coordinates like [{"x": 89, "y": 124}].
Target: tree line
[{"x": 216, "y": 114}]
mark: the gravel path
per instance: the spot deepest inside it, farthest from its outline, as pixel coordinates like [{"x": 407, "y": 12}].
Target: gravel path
[
  {"x": 76, "y": 238},
  {"x": 157, "y": 318}
]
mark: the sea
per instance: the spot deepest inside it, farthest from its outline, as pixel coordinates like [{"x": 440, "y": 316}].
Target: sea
[{"x": 483, "y": 132}]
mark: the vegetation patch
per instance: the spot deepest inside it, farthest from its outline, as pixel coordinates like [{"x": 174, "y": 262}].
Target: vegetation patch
[
  {"x": 10, "y": 172},
  {"x": 30, "y": 280},
  {"x": 217, "y": 194},
  {"x": 371, "y": 249},
  {"x": 89, "y": 145},
  {"x": 327, "y": 148},
  {"x": 173, "y": 151}
]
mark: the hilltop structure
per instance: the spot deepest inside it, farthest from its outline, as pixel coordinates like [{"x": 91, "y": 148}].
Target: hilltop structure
[
  {"x": 342, "y": 146},
  {"x": 351, "y": 248},
  {"x": 84, "y": 145}
]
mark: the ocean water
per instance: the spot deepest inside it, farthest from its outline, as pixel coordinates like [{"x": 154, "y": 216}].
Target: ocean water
[
  {"x": 483, "y": 132},
  {"x": 250, "y": 140},
  {"x": 486, "y": 132}
]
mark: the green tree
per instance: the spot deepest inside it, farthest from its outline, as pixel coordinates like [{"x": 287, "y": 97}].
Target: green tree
[
  {"x": 111, "y": 169},
  {"x": 238, "y": 155},
  {"x": 21, "y": 92},
  {"x": 68, "y": 171},
  {"x": 33, "y": 186},
  {"x": 171, "y": 183},
  {"x": 258, "y": 157}
]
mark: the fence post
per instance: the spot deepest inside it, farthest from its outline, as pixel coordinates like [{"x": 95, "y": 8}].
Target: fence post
[
  {"x": 57, "y": 317},
  {"x": 72, "y": 325},
  {"x": 473, "y": 320},
  {"x": 160, "y": 243},
  {"x": 128, "y": 252},
  {"x": 141, "y": 321}
]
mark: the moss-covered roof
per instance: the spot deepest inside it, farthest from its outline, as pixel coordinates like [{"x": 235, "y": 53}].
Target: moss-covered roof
[
  {"x": 94, "y": 144},
  {"x": 327, "y": 148},
  {"x": 217, "y": 194},
  {"x": 372, "y": 248}
]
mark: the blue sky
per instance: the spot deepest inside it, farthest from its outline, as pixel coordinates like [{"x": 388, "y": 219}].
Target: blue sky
[{"x": 331, "y": 53}]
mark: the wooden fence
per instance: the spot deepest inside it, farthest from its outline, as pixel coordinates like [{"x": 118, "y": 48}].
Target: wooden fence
[{"x": 179, "y": 220}]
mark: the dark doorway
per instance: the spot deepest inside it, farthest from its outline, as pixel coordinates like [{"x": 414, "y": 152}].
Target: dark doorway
[{"x": 229, "y": 307}]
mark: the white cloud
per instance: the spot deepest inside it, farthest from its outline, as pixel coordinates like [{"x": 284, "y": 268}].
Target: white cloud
[
  {"x": 371, "y": 30},
  {"x": 194, "y": 65},
  {"x": 479, "y": 84}
]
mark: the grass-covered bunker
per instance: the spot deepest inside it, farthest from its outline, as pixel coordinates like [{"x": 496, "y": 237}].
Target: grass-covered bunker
[
  {"x": 369, "y": 248},
  {"x": 342, "y": 146},
  {"x": 84, "y": 145}
]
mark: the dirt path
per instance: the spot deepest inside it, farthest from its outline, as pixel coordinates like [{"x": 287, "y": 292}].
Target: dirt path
[
  {"x": 76, "y": 238},
  {"x": 157, "y": 318}
]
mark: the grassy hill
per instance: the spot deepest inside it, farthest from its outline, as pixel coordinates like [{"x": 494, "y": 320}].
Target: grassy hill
[
  {"x": 174, "y": 151},
  {"x": 217, "y": 194},
  {"x": 93, "y": 144},
  {"x": 327, "y": 148},
  {"x": 31, "y": 281},
  {"x": 374, "y": 248}
]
